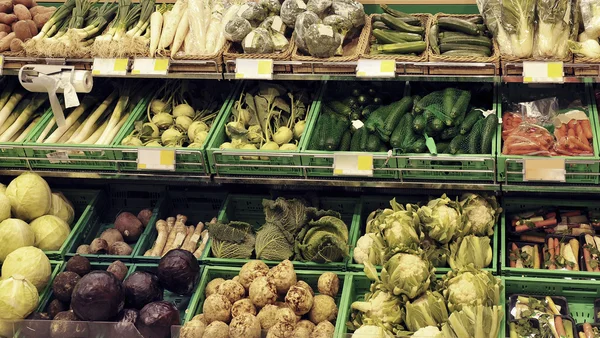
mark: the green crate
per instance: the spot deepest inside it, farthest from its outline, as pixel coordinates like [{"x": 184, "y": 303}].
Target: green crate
[
  {"x": 282, "y": 163},
  {"x": 187, "y": 160},
  {"x": 103, "y": 213},
  {"x": 512, "y": 205},
  {"x": 579, "y": 169},
  {"x": 83, "y": 202},
  {"x": 12, "y": 155},
  {"x": 72, "y": 156},
  {"x": 370, "y": 203},
  {"x": 198, "y": 206},
  {"x": 57, "y": 266},
  {"x": 580, "y": 294},
  {"x": 443, "y": 167},
  {"x": 185, "y": 304},
  {"x": 248, "y": 208},
  {"x": 310, "y": 277},
  {"x": 359, "y": 285},
  {"x": 320, "y": 163}
]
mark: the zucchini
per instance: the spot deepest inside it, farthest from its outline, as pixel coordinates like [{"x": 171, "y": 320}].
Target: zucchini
[
  {"x": 339, "y": 108},
  {"x": 384, "y": 36},
  {"x": 416, "y": 99},
  {"x": 398, "y": 110},
  {"x": 346, "y": 140},
  {"x": 444, "y": 47},
  {"x": 449, "y": 133},
  {"x": 336, "y": 131},
  {"x": 469, "y": 121},
  {"x": 456, "y": 144},
  {"x": 456, "y": 24},
  {"x": 323, "y": 123},
  {"x": 356, "y": 138},
  {"x": 366, "y": 111},
  {"x": 379, "y": 25},
  {"x": 382, "y": 148},
  {"x": 419, "y": 123},
  {"x": 399, "y": 25},
  {"x": 461, "y": 104},
  {"x": 459, "y": 52},
  {"x": 442, "y": 147},
  {"x": 377, "y": 118},
  {"x": 433, "y": 39},
  {"x": 398, "y": 14},
  {"x": 476, "y": 19},
  {"x": 436, "y": 124},
  {"x": 373, "y": 143},
  {"x": 401, "y": 130},
  {"x": 449, "y": 34},
  {"x": 419, "y": 146},
  {"x": 403, "y": 48},
  {"x": 490, "y": 125},
  {"x": 450, "y": 96},
  {"x": 427, "y": 100},
  {"x": 364, "y": 137},
  {"x": 474, "y": 138},
  {"x": 471, "y": 40}
]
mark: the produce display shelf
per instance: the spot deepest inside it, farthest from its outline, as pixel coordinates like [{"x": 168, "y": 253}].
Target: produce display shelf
[
  {"x": 198, "y": 206},
  {"x": 511, "y": 205},
  {"x": 369, "y": 204},
  {"x": 249, "y": 209},
  {"x": 57, "y": 267},
  {"x": 105, "y": 209},
  {"x": 310, "y": 277}
]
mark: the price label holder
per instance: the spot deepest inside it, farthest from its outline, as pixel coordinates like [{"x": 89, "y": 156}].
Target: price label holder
[
  {"x": 376, "y": 68},
  {"x": 544, "y": 169},
  {"x": 543, "y": 72},
  {"x": 352, "y": 164},
  {"x": 1, "y": 64},
  {"x": 259, "y": 69},
  {"x": 150, "y": 66},
  {"x": 156, "y": 159},
  {"x": 117, "y": 67}
]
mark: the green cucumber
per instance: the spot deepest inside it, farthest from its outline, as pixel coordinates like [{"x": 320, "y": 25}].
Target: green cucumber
[
  {"x": 403, "y": 48},
  {"x": 390, "y": 36},
  {"x": 444, "y": 47},
  {"x": 400, "y": 25},
  {"x": 469, "y": 121},
  {"x": 490, "y": 126},
  {"x": 456, "y": 24}
]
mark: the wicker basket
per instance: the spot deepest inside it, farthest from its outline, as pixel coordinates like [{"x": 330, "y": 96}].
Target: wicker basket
[
  {"x": 216, "y": 66},
  {"x": 231, "y": 54},
  {"x": 408, "y": 69},
  {"x": 586, "y": 71},
  {"x": 352, "y": 51},
  {"x": 467, "y": 70}
]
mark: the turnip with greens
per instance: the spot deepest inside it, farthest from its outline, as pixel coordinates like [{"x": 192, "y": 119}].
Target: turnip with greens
[
  {"x": 217, "y": 308},
  {"x": 268, "y": 316},
  {"x": 244, "y": 326},
  {"x": 323, "y": 309},
  {"x": 251, "y": 270},
  {"x": 130, "y": 226},
  {"x": 233, "y": 290},
  {"x": 243, "y": 306},
  {"x": 183, "y": 109}
]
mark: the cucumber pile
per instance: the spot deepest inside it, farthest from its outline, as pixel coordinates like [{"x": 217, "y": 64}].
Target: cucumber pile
[
  {"x": 397, "y": 33},
  {"x": 453, "y": 36}
]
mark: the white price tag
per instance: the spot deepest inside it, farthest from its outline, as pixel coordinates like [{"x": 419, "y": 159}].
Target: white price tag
[
  {"x": 58, "y": 157},
  {"x": 375, "y": 68},
  {"x": 149, "y": 66},
  {"x": 352, "y": 164},
  {"x": 543, "y": 72},
  {"x": 261, "y": 69},
  {"x": 110, "y": 66},
  {"x": 1, "y": 64},
  {"x": 544, "y": 169},
  {"x": 156, "y": 159}
]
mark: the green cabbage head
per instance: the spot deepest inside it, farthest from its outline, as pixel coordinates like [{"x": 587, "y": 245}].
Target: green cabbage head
[
  {"x": 441, "y": 218},
  {"x": 30, "y": 196},
  {"x": 407, "y": 274},
  {"x": 470, "y": 250},
  {"x": 427, "y": 310},
  {"x": 18, "y": 297},
  {"x": 469, "y": 286},
  {"x": 481, "y": 214},
  {"x": 29, "y": 262}
]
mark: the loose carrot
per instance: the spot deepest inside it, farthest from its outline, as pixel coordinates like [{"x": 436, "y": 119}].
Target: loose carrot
[
  {"x": 540, "y": 224},
  {"x": 587, "y": 128},
  {"x": 513, "y": 256},
  {"x": 532, "y": 238},
  {"x": 587, "y": 330},
  {"x": 551, "y": 265},
  {"x": 588, "y": 259},
  {"x": 560, "y": 327}
]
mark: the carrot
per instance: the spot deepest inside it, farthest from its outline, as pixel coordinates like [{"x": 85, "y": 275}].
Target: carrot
[
  {"x": 532, "y": 238},
  {"x": 560, "y": 327},
  {"x": 550, "y": 215},
  {"x": 588, "y": 259},
  {"x": 574, "y": 244},
  {"x": 577, "y": 143},
  {"x": 572, "y": 124},
  {"x": 514, "y": 253},
  {"x": 540, "y": 224},
  {"x": 571, "y": 213},
  {"x": 571, "y": 133},
  {"x": 560, "y": 132},
  {"x": 587, "y": 128},
  {"x": 551, "y": 265}
]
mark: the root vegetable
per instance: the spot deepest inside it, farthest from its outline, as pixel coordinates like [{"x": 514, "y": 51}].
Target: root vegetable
[
  {"x": 176, "y": 237},
  {"x": 251, "y": 270},
  {"x": 170, "y": 223},
  {"x": 118, "y": 269},
  {"x": 161, "y": 239},
  {"x": 216, "y": 308},
  {"x": 84, "y": 249},
  {"x": 305, "y": 285},
  {"x": 204, "y": 236},
  {"x": 26, "y": 3},
  {"x": 55, "y": 307},
  {"x": 6, "y": 6},
  {"x": 99, "y": 246},
  {"x": 16, "y": 45},
  {"x": 40, "y": 9},
  {"x": 188, "y": 237},
  {"x": 63, "y": 285},
  {"x": 211, "y": 287},
  {"x": 144, "y": 216},
  {"x": 243, "y": 306},
  {"x": 286, "y": 315},
  {"x": 299, "y": 299},
  {"x": 2, "y": 34},
  {"x": 111, "y": 236},
  {"x": 22, "y": 12},
  {"x": 32, "y": 27},
  {"x": 268, "y": 316},
  {"x": 262, "y": 292},
  {"x": 306, "y": 324},
  {"x": 192, "y": 329},
  {"x": 323, "y": 330},
  {"x": 244, "y": 326},
  {"x": 283, "y": 276},
  {"x": 120, "y": 249},
  {"x": 329, "y": 284},
  {"x": 193, "y": 240},
  {"x": 79, "y": 264},
  {"x": 8, "y": 19},
  {"x": 323, "y": 309},
  {"x": 233, "y": 290},
  {"x": 130, "y": 227},
  {"x": 41, "y": 19},
  {"x": 217, "y": 329},
  {"x": 5, "y": 42}
]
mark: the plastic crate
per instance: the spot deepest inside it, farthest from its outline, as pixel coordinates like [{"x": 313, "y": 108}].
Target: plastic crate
[
  {"x": 358, "y": 285},
  {"x": 83, "y": 202},
  {"x": 446, "y": 167},
  {"x": 579, "y": 169},
  {"x": 185, "y": 304},
  {"x": 248, "y": 208},
  {"x": 72, "y": 156},
  {"x": 187, "y": 160},
  {"x": 12, "y": 155},
  {"x": 278, "y": 163},
  {"x": 513, "y": 205},
  {"x": 369, "y": 204},
  {"x": 310, "y": 277},
  {"x": 580, "y": 294},
  {"x": 57, "y": 266},
  {"x": 198, "y": 206},
  {"x": 104, "y": 212}
]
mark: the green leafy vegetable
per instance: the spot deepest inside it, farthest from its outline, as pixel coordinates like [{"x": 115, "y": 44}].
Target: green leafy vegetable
[
  {"x": 474, "y": 321},
  {"x": 289, "y": 215},
  {"x": 271, "y": 244},
  {"x": 470, "y": 250},
  {"x": 428, "y": 310},
  {"x": 233, "y": 240},
  {"x": 325, "y": 240}
]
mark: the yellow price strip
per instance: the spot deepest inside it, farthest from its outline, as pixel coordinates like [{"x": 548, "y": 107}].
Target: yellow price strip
[
  {"x": 150, "y": 66},
  {"x": 352, "y": 164},
  {"x": 106, "y": 67},
  {"x": 376, "y": 68},
  {"x": 1, "y": 64},
  {"x": 543, "y": 72},
  {"x": 544, "y": 169},
  {"x": 261, "y": 69},
  {"x": 156, "y": 159}
]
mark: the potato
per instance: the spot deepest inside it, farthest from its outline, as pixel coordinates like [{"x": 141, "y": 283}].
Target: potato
[
  {"x": 26, "y": 3},
  {"x": 41, "y": 19},
  {"x": 22, "y": 32},
  {"x": 5, "y": 28},
  {"x": 5, "y": 42},
  {"x": 6, "y": 6},
  {"x": 32, "y": 27},
  {"x": 8, "y": 19},
  {"x": 3, "y": 34},
  {"x": 16, "y": 45},
  {"x": 22, "y": 12},
  {"x": 40, "y": 9}
]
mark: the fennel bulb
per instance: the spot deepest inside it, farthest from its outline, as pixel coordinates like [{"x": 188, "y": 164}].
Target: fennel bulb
[{"x": 589, "y": 48}]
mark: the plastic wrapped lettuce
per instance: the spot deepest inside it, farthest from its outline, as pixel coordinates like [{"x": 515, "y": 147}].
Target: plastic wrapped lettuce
[
  {"x": 290, "y": 9},
  {"x": 318, "y": 6},
  {"x": 341, "y": 25},
  {"x": 351, "y": 10},
  {"x": 237, "y": 29},
  {"x": 258, "y": 41},
  {"x": 252, "y": 12},
  {"x": 304, "y": 21},
  {"x": 322, "y": 41},
  {"x": 274, "y": 23}
]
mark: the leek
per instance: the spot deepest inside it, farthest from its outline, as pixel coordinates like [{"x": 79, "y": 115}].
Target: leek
[{"x": 518, "y": 21}]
